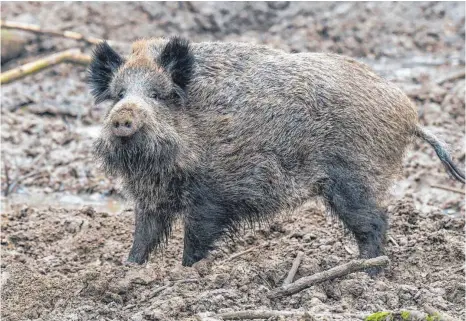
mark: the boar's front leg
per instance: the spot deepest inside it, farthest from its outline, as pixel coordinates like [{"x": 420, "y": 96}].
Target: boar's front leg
[
  {"x": 205, "y": 224},
  {"x": 152, "y": 228}
]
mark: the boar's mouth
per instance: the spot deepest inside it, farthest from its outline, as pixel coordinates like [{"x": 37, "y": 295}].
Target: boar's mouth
[{"x": 136, "y": 157}]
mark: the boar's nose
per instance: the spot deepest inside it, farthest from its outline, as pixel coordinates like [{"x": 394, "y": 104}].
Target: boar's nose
[{"x": 123, "y": 123}]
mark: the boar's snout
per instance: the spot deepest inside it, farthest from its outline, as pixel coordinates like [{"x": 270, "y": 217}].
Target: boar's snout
[{"x": 124, "y": 122}]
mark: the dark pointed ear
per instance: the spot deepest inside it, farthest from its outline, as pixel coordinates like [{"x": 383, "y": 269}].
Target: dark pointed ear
[
  {"x": 178, "y": 60},
  {"x": 105, "y": 61}
]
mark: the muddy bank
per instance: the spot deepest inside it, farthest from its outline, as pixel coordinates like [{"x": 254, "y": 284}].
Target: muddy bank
[
  {"x": 61, "y": 264},
  {"x": 66, "y": 229}
]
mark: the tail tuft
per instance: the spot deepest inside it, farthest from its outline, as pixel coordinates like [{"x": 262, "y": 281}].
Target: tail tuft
[{"x": 442, "y": 153}]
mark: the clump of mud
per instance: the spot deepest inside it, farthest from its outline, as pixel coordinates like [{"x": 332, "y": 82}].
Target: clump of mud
[{"x": 60, "y": 264}]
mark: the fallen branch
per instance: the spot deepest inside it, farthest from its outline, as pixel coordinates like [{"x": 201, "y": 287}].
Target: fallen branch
[
  {"x": 258, "y": 314},
  {"x": 18, "y": 180},
  {"x": 294, "y": 268},
  {"x": 38, "y": 30},
  {"x": 71, "y": 55},
  {"x": 171, "y": 284},
  {"x": 448, "y": 188},
  {"x": 234, "y": 256},
  {"x": 406, "y": 315},
  {"x": 338, "y": 271},
  {"x": 266, "y": 314},
  {"x": 440, "y": 316},
  {"x": 452, "y": 76},
  {"x": 391, "y": 239},
  {"x": 409, "y": 315},
  {"x": 350, "y": 251},
  {"x": 206, "y": 316},
  {"x": 7, "y": 180}
]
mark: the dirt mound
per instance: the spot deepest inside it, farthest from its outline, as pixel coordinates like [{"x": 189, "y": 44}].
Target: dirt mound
[{"x": 61, "y": 264}]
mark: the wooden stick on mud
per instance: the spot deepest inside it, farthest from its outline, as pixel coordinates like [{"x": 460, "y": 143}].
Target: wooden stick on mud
[
  {"x": 70, "y": 55},
  {"x": 266, "y": 314},
  {"x": 38, "y": 30},
  {"x": 258, "y": 314},
  {"x": 62, "y": 34},
  {"x": 338, "y": 271},
  {"x": 7, "y": 180},
  {"x": 391, "y": 239},
  {"x": 234, "y": 256},
  {"x": 448, "y": 188},
  {"x": 452, "y": 76},
  {"x": 171, "y": 284},
  {"x": 441, "y": 316},
  {"x": 408, "y": 315},
  {"x": 294, "y": 268}
]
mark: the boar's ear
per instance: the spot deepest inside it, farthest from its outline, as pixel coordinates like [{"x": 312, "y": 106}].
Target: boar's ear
[
  {"x": 177, "y": 59},
  {"x": 105, "y": 61}
]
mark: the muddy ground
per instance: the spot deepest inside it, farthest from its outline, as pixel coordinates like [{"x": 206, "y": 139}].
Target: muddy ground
[{"x": 66, "y": 230}]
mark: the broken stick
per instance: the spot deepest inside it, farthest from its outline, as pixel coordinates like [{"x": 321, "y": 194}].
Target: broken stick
[
  {"x": 70, "y": 55},
  {"x": 54, "y": 33},
  {"x": 294, "y": 268},
  {"x": 266, "y": 314},
  {"x": 448, "y": 188},
  {"x": 257, "y": 314},
  {"x": 452, "y": 76},
  {"x": 38, "y": 30},
  {"x": 338, "y": 271},
  {"x": 234, "y": 256}
]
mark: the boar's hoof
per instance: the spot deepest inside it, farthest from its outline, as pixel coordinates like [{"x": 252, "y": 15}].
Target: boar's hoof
[
  {"x": 136, "y": 259},
  {"x": 189, "y": 260},
  {"x": 373, "y": 271}
]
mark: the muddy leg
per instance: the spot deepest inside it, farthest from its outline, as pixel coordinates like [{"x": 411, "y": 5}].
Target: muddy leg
[
  {"x": 350, "y": 199},
  {"x": 151, "y": 229},
  {"x": 205, "y": 225}
]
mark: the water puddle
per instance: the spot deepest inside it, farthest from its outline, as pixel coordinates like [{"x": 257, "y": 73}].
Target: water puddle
[{"x": 98, "y": 202}]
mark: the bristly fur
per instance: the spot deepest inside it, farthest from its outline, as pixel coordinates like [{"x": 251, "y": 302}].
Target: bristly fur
[
  {"x": 177, "y": 59},
  {"x": 264, "y": 132},
  {"x": 105, "y": 62}
]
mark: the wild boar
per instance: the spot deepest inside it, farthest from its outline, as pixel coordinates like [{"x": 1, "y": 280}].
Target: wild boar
[{"x": 220, "y": 134}]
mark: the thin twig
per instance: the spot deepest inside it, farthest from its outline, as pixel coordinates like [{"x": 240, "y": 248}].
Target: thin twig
[
  {"x": 408, "y": 315},
  {"x": 338, "y": 271},
  {"x": 38, "y": 30},
  {"x": 448, "y": 188},
  {"x": 171, "y": 284},
  {"x": 294, "y": 268},
  {"x": 258, "y": 314},
  {"x": 391, "y": 239},
  {"x": 441, "y": 316},
  {"x": 20, "y": 179},
  {"x": 350, "y": 251},
  {"x": 266, "y": 314},
  {"x": 71, "y": 55},
  {"x": 234, "y": 256},
  {"x": 203, "y": 316},
  {"x": 452, "y": 76},
  {"x": 7, "y": 180}
]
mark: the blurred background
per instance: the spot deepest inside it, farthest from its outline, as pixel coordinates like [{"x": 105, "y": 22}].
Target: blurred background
[
  {"x": 66, "y": 229},
  {"x": 49, "y": 119}
]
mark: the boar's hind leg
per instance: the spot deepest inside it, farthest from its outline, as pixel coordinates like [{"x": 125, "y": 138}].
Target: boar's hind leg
[
  {"x": 351, "y": 200},
  {"x": 151, "y": 229}
]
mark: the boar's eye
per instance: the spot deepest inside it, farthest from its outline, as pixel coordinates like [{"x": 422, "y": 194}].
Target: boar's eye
[
  {"x": 121, "y": 94},
  {"x": 154, "y": 95}
]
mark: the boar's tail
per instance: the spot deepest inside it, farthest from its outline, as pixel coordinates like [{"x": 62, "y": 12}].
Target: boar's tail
[{"x": 442, "y": 152}]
